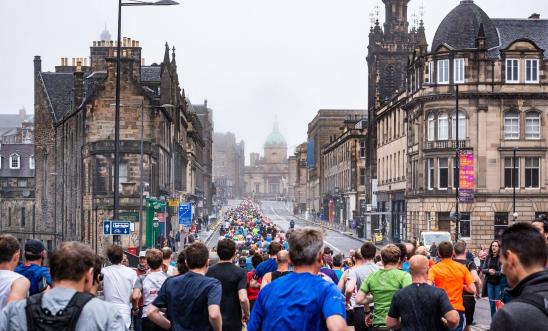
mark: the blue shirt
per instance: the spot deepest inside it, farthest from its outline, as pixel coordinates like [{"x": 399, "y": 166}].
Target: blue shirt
[
  {"x": 298, "y": 301},
  {"x": 265, "y": 267},
  {"x": 38, "y": 276}
]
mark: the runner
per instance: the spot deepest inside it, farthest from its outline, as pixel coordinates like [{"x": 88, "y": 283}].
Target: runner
[
  {"x": 454, "y": 278},
  {"x": 283, "y": 269},
  {"x": 300, "y": 300},
  {"x": 13, "y": 286},
  {"x": 32, "y": 269},
  {"x": 469, "y": 300},
  {"x": 151, "y": 285},
  {"x": 421, "y": 307},
  {"x": 253, "y": 293},
  {"x": 338, "y": 265},
  {"x": 168, "y": 257},
  {"x": 267, "y": 266}
]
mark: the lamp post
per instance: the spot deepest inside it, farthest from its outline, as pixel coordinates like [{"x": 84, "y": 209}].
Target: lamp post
[
  {"x": 116, "y": 238},
  {"x": 457, "y": 149},
  {"x": 514, "y": 182}
]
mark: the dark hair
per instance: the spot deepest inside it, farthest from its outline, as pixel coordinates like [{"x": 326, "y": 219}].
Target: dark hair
[
  {"x": 305, "y": 244},
  {"x": 445, "y": 249},
  {"x": 337, "y": 260},
  {"x": 368, "y": 251},
  {"x": 226, "y": 248},
  {"x": 274, "y": 248},
  {"x": 71, "y": 261},
  {"x": 357, "y": 256},
  {"x": 115, "y": 254},
  {"x": 155, "y": 258},
  {"x": 9, "y": 246},
  {"x": 527, "y": 243},
  {"x": 167, "y": 253},
  {"x": 460, "y": 247},
  {"x": 491, "y": 245},
  {"x": 544, "y": 223},
  {"x": 403, "y": 251},
  {"x": 97, "y": 266},
  {"x": 251, "y": 252},
  {"x": 181, "y": 263},
  {"x": 196, "y": 255},
  {"x": 32, "y": 257},
  {"x": 256, "y": 260}
]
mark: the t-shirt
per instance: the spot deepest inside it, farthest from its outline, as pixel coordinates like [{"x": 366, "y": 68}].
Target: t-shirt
[
  {"x": 97, "y": 315},
  {"x": 451, "y": 276},
  {"x": 470, "y": 265},
  {"x": 382, "y": 284},
  {"x": 420, "y": 307},
  {"x": 187, "y": 298},
  {"x": 232, "y": 280},
  {"x": 118, "y": 284},
  {"x": 252, "y": 293},
  {"x": 7, "y": 277},
  {"x": 265, "y": 267},
  {"x": 298, "y": 301},
  {"x": 151, "y": 285},
  {"x": 330, "y": 273},
  {"x": 357, "y": 275},
  {"x": 338, "y": 273},
  {"x": 38, "y": 276}
]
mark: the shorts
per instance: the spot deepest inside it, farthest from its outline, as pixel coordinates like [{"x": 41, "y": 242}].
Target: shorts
[
  {"x": 469, "y": 308},
  {"x": 350, "y": 317}
]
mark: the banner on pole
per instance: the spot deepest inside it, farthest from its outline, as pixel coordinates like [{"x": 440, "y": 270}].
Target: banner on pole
[{"x": 466, "y": 177}]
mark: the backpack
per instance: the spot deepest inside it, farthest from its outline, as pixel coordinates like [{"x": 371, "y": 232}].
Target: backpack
[
  {"x": 535, "y": 300},
  {"x": 41, "y": 319}
]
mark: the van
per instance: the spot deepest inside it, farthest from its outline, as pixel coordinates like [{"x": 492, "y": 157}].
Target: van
[{"x": 429, "y": 237}]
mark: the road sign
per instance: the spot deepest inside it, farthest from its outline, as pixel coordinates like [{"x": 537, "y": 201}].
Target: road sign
[
  {"x": 185, "y": 214},
  {"x": 120, "y": 227},
  {"x": 107, "y": 227}
]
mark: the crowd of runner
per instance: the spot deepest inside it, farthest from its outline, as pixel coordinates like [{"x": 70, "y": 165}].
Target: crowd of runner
[{"x": 259, "y": 277}]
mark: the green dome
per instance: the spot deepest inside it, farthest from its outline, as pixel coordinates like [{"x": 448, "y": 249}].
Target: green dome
[{"x": 275, "y": 138}]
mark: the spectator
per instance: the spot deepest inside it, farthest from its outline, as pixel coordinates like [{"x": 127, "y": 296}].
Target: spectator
[
  {"x": 234, "y": 301},
  {"x": 13, "y": 286},
  {"x": 493, "y": 275},
  {"x": 33, "y": 269},
  {"x": 73, "y": 266},
  {"x": 434, "y": 311},
  {"x": 192, "y": 301},
  {"x": 301, "y": 300},
  {"x": 118, "y": 283},
  {"x": 523, "y": 257}
]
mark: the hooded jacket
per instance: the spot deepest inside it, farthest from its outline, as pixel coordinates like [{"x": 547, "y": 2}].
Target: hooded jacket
[{"x": 517, "y": 315}]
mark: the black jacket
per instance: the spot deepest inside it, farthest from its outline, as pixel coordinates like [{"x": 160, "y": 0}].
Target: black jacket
[{"x": 517, "y": 316}]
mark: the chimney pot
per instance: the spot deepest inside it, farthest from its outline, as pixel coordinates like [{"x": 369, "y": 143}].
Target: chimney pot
[
  {"x": 73, "y": 61},
  {"x": 85, "y": 62},
  {"x": 143, "y": 61},
  {"x": 136, "y": 43},
  {"x": 534, "y": 16},
  {"x": 129, "y": 42}
]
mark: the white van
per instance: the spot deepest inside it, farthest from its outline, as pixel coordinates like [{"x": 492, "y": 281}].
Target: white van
[{"x": 429, "y": 237}]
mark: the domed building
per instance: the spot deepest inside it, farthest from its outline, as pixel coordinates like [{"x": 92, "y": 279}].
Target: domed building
[
  {"x": 266, "y": 177},
  {"x": 476, "y": 112}
]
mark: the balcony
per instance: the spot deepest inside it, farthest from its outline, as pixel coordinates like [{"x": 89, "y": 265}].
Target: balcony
[{"x": 445, "y": 144}]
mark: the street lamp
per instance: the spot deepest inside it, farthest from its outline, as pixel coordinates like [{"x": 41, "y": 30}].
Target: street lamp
[
  {"x": 457, "y": 148},
  {"x": 514, "y": 182},
  {"x": 121, "y": 4}
]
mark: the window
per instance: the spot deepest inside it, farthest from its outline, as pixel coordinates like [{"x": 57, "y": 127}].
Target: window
[
  {"x": 443, "y": 174},
  {"x": 443, "y": 71},
  {"x": 511, "y": 176},
  {"x": 15, "y": 161},
  {"x": 464, "y": 225},
  {"x": 428, "y": 72},
  {"x": 257, "y": 188},
  {"x": 362, "y": 176},
  {"x": 459, "y": 70},
  {"x": 23, "y": 220},
  {"x": 363, "y": 148},
  {"x": 501, "y": 223},
  {"x": 456, "y": 173},
  {"x": 511, "y": 125},
  {"x": 462, "y": 126},
  {"x": 512, "y": 70},
  {"x": 273, "y": 187},
  {"x": 9, "y": 216},
  {"x": 22, "y": 183},
  {"x": 430, "y": 174},
  {"x": 443, "y": 127},
  {"x": 1, "y": 159},
  {"x": 532, "y": 171},
  {"x": 31, "y": 162},
  {"x": 431, "y": 128},
  {"x": 531, "y": 71},
  {"x": 532, "y": 125}
]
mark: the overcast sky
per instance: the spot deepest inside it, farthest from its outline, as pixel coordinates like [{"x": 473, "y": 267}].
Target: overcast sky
[{"x": 252, "y": 59}]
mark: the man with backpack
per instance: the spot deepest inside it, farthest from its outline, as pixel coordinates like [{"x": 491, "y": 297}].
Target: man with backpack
[
  {"x": 523, "y": 257},
  {"x": 33, "y": 269},
  {"x": 68, "y": 305}
]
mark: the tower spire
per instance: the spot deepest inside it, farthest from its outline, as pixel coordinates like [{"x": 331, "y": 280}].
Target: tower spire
[{"x": 166, "y": 54}]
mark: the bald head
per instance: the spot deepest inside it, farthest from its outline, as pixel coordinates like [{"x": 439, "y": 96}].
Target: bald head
[
  {"x": 282, "y": 257},
  {"x": 418, "y": 266}
]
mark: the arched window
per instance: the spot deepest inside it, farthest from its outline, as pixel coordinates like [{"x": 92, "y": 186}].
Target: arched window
[
  {"x": 431, "y": 127},
  {"x": 443, "y": 127},
  {"x": 15, "y": 161},
  {"x": 462, "y": 126},
  {"x": 532, "y": 125},
  {"x": 511, "y": 125}
]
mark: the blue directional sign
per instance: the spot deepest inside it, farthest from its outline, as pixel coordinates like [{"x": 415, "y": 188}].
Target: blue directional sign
[
  {"x": 121, "y": 227},
  {"x": 185, "y": 214},
  {"x": 107, "y": 228}
]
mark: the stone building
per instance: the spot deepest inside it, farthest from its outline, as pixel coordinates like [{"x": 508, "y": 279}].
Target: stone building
[
  {"x": 343, "y": 173},
  {"x": 17, "y": 128},
  {"x": 228, "y": 165},
  {"x": 297, "y": 179},
  {"x": 266, "y": 177},
  {"x": 17, "y": 213},
  {"x": 499, "y": 66},
  {"x": 74, "y": 112},
  {"x": 324, "y": 125}
]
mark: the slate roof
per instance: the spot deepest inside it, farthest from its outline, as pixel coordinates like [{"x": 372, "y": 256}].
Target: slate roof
[
  {"x": 512, "y": 29},
  {"x": 150, "y": 73},
  {"x": 59, "y": 92},
  {"x": 24, "y": 151}
]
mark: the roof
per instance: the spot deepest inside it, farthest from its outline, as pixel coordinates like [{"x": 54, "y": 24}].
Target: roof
[
  {"x": 150, "y": 73},
  {"x": 459, "y": 29},
  {"x": 9, "y": 121},
  {"x": 24, "y": 151},
  {"x": 275, "y": 138},
  {"x": 510, "y": 30},
  {"x": 58, "y": 87}
]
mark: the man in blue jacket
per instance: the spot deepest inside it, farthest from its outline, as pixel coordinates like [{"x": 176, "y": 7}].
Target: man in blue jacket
[{"x": 33, "y": 269}]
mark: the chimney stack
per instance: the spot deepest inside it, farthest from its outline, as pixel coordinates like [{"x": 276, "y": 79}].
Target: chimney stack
[{"x": 534, "y": 16}]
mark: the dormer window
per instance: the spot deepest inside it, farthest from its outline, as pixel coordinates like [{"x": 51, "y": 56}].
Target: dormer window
[
  {"x": 443, "y": 71},
  {"x": 15, "y": 161},
  {"x": 531, "y": 71},
  {"x": 512, "y": 70}
]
